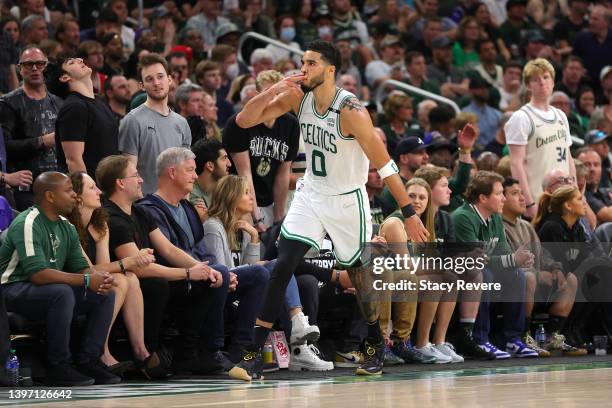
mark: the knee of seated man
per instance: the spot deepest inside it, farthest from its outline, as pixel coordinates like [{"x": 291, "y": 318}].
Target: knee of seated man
[{"x": 222, "y": 269}]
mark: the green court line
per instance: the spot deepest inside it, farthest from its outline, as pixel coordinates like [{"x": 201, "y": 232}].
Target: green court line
[{"x": 197, "y": 386}]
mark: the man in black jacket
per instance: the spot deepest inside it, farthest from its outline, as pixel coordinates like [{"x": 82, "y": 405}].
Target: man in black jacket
[{"x": 28, "y": 120}]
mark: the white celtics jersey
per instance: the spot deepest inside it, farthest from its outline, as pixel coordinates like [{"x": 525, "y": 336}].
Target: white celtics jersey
[
  {"x": 547, "y": 148},
  {"x": 335, "y": 163}
]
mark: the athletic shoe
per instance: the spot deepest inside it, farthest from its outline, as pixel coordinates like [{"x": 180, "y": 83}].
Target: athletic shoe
[
  {"x": 374, "y": 358},
  {"x": 490, "y": 348},
  {"x": 557, "y": 343},
  {"x": 301, "y": 331},
  {"x": 97, "y": 370},
  {"x": 409, "y": 354},
  {"x": 391, "y": 359},
  {"x": 249, "y": 368},
  {"x": 429, "y": 350},
  {"x": 518, "y": 349},
  {"x": 532, "y": 344},
  {"x": 348, "y": 359},
  {"x": 468, "y": 348},
  {"x": 65, "y": 375},
  {"x": 449, "y": 350},
  {"x": 308, "y": 358}
]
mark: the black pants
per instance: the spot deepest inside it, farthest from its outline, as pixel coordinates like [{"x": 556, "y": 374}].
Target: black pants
[
  {"x": 159, "y": 295},
  {"x": 5, "y": 339}
]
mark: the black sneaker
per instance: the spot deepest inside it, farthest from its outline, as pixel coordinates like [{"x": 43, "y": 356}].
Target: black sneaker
[
  {"x": 195, "y": 363},
  {"x": 98, "y": 371},
  {"x": 249, "y": 368},
  {"x": 65, "y": 375},
  {"x": 374, "y": 359},
  {"x": 410, "y": 355},
  {"x": 153, "y": 369},
  {"x": 467, "y": 347}
]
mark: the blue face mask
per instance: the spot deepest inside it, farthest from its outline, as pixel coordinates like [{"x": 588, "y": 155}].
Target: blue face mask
[{"x": 287, "y": 34}]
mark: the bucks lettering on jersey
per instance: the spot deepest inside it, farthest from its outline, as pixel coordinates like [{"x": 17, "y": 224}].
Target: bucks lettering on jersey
[
  {"x": 547, "y": 148},
  {"x": 335, "y": 163}
]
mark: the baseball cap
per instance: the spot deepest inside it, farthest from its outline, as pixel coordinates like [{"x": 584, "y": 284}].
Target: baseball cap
[
  {"x": 605, "y": 71},
  {"x": 534, "y": 36},
  {"x": 225, "y": 29},
  {"x": 441, "y": 41},
  {"x": 595, "y": 136},
  {"x": 159, "y": 12},
  {"x": 389, "y": 40},
  {"x": 411, "y": 144},
  {"x": 512, "y": 3},
  {"x": 439, "y": 142},
  {"x": 478, "y": 82}
]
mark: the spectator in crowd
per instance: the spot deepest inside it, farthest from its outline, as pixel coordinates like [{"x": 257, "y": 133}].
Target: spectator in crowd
[
  {"x": 8, "y": 55},
  {"x": 571, "y": 24},
  {"x": 114, "y": 57},
  {"x": 190, "y": 102},
  {"x": 180, "y": 223},
  {"x": 52, "y": 281},
  {"x": 254, "y": 19},
  {"x": 488, "y": 68},
  {"x": 498, "y": 145},
  {"x": 207, "y": 21},
  {"x": 11, "y": 25},
  {"x": 423, "y": 110},
  {"x": 598, "y": 198},
  {"x": 561, "y": 101},
  {"x": 267, "y": 168},
  {"x": 86, "y": 129},
  {"x": 151, "y": 128},
  {"x": 417, "y": 72},
  {"x": 90, "y": 221},
  {"x": 510, "y": 90},
  {"x": 192, "y": 38},
  {"x": 465, "y": 53},
  {"x": 535, "y": 45},
  {"x": 120, "y": 7},
  {"x": 490, "y": 28},
  {"x": 374, "y": 187},
  {"x": 261, "y": 60},
  {"x": 585, "y": 106},
  {"x": 236, "y": 243},
  {"x": 531, "y": 125},
  {"x": 348, "y": 67},
  {"x": 117, "y": 93},
  {"x": 573, "y": 76},
  {"x": 431, "y": 31},
  {"x": 595, "y": 45},
  {"x": 68, "y": 35},
  {"x": 487, "y": 161},
  {"x": 399, "y": 114},
  {"x": 179, "y": 67},
  {"x": 28, "y": 117},
  {"x": 226, "y": 57},
  {"x": 440, "y": 151},
  {"x": 479, "y": 220},
  {"x": 106, "y": 22},
  {"x": 391, "y": 53},
  {"x": 348, "y": 82},
  {"x": 345, "y": 19},
  {"x": 285, "y": 32},
  {"x": 33, "y": 30},
  {"x": 514, "y": 28},
  {"x": 598, "y": 141},
  {"x": 453, "y": 82},
  {"x": 545, "y": 280},
  {"x": 92, "y": 54},
  {"x": 428, "y": 9},
  {"x": 182, "y": 280},
  {"x": 488, "y": 116},
  {"x": 208, "y": 75},
  {"x": 212, "y": 164},
  {"x": 228, "y": 34}
]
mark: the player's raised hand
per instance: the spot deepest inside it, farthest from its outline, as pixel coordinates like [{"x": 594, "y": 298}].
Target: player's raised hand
[
  {"x": 289, "y": 86},
  {"x": 415, "y": 229},
  {"x": 467, "y": 136}
]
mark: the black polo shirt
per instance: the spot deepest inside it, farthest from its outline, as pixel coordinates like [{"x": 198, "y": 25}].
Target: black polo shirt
[
  {"x": 125, "y": 228},
  {"x": 598, "y": 199}
]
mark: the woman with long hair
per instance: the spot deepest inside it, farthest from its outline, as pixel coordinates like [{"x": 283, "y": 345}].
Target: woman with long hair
[
  {"x": 90, "y": 220},
  {"x": 235, "y": 243},
  {"x": 465, "y": 54}
]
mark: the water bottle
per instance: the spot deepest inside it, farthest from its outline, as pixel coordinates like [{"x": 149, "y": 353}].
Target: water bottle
[
  {"x": 12, "y": 369},
  {"x": 540, "y": 336},
  {"x": 268, "y": 351}
]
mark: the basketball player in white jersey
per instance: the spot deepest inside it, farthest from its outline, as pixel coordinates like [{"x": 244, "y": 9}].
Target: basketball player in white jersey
[
  {"x": 339, "y": 139},
  {"x": 538, "y": 135}
]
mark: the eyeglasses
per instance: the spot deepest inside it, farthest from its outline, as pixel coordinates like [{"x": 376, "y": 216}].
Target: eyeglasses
[
  {"x": 32, "y": 64},
  {"x": 565, "y": 180},
  {"x": 134, "y": 176}
]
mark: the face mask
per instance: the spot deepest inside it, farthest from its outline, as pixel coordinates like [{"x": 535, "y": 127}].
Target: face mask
[
  {"x": 232, "y": 71},
  {"x": 324, "y": 31},
  {"x": 287, "y": 34}
]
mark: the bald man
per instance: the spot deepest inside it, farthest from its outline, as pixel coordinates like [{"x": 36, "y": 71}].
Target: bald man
[{"x": 44, "y": 276}]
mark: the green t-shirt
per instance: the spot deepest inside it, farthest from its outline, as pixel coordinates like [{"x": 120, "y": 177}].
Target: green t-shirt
[
  {"x": 198, "y": 194},
  {"x": 34, "y": 242}
]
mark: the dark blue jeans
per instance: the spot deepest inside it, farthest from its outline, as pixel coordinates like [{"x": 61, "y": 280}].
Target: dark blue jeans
[
  {"x": 57, "y": 304},
  {"x": 514, "y": 312}
]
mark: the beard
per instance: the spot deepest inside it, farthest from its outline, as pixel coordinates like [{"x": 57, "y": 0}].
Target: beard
[
  {"x": 158, "y": 97},
  {"x": 315, "y": 82}
]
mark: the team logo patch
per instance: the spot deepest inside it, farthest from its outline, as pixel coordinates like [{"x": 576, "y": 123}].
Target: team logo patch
[
  {"x": 264, "y": 166},
  {"x": 331, "y": 122}
]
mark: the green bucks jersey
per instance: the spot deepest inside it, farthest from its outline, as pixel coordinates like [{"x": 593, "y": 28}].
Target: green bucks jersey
[{"x": 335, "y": 163}]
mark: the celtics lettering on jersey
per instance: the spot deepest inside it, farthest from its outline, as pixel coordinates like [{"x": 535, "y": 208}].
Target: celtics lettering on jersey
[{"x": 335, "y": 163}]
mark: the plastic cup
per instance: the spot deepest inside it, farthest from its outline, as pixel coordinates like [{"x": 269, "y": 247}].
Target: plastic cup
[{"x": 600, "y": 343}]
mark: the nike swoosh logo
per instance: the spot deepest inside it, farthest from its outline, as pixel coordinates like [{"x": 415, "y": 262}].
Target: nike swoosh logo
[{"x": 352, "y": 359}]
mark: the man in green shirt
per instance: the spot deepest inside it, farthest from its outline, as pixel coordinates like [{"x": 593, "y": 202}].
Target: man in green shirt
[
  {"x": 479, "y": 221},
  {"x": 45, "y": 276},
  {"x": 212, "y": 163}
]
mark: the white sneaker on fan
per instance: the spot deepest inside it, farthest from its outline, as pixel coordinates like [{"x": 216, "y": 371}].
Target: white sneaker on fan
[{"x": 301, "y": 331}]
